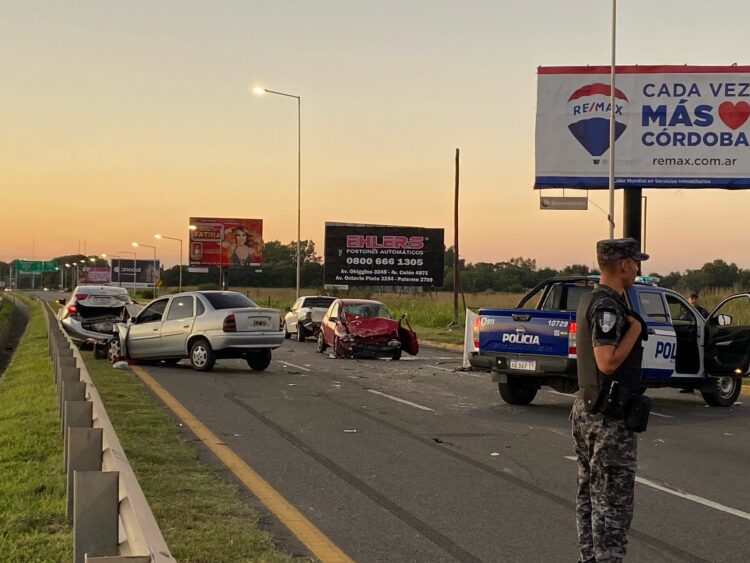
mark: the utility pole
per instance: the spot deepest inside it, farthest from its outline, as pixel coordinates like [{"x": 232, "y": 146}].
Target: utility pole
[{"x": 456, "y": 282}]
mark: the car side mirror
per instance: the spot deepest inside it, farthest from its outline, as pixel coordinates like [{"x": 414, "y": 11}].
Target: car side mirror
[
  {"x": 133, "y": 320},
  {"x": 724, "y": 320},
  {"x": 60, "y": 301}
]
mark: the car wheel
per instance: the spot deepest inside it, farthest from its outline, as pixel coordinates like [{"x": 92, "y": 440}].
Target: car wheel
[
  {"x": 515, "y": 393},
  {"x": 300, "y": 333},
  {"x": 396, "y": 355},
  {"x": 321, "y": 342},
  {"x": 114, "y": 350},
  {"x": 723, "y": 392},
  {"x": 260, "y": 360},
  {"x": 202, "y": 357},
  {"x": 338, "y": 349},
  {"x": 287, "y": 335}
]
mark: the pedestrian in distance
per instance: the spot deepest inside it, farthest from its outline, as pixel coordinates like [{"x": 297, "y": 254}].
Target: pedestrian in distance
[
  {"x": 609, "y": 358},
  {"x": 693, "y": 300}
]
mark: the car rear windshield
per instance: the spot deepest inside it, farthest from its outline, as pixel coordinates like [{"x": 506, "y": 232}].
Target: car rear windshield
[
  {"x": 228, "y": 300},
  {"x": 322, "y": 302}
]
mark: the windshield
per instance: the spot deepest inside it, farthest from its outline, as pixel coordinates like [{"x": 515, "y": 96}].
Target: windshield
[
  {"x": 321, "y": 302},
  {"x": 228, "y": 300},
  {"x": 368, "y": 310}
]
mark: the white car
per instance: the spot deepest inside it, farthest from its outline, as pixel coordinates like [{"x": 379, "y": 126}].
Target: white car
[
  {"x": 305, "y": 316},
  {"x": 91, "y": 312},
  {"x": 203, "y": 326}
]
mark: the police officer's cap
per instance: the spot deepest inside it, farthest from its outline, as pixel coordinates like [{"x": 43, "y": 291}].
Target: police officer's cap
[{"x": 611, "y": 250}]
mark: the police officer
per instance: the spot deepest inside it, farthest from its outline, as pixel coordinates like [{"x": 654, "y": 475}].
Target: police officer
[
  {"x": 693, "y": 300},
  {"x": 609, "y": 350}
]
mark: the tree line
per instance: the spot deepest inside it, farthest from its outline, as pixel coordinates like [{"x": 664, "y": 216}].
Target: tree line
[{"x": 514, "y": 275}]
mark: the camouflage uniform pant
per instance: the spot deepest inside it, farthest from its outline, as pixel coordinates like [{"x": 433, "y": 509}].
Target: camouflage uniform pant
[{"x": 606, "y": 453}]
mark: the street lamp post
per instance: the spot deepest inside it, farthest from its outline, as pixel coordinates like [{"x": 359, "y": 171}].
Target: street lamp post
[
  {"x": 158, "y": 236},
  {"x": 134, "y": 266},
  {"x": 136, "y": 245},
  {"x": 260, "y": 91}
]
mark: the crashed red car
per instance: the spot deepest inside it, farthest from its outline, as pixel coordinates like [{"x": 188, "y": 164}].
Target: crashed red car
[{"x": 362, "y": 327}]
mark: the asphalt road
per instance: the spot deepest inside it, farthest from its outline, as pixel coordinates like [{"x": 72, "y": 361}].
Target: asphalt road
[{"x": 413, "y": 461}]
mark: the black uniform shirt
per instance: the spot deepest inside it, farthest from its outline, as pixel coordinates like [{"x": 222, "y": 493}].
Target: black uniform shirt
[{"x": 605, "y": 323}]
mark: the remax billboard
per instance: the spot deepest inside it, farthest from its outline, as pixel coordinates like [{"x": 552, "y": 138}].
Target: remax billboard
[{"x": 675, "y": 127}]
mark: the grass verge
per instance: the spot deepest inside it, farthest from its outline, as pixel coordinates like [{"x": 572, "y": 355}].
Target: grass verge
[
  {"x": 6, "y": 305},
  {"x": 32, "y": 486},
  {"x": 200, "y": 515}
]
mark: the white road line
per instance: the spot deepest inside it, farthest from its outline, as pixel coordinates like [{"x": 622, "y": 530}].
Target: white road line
[
  {"x": 404, "y": 401},
  {"x": 571, "y": 395},
  {"x": 661, "y": 415},
  {"x": 687, "y": 496},
  {"x": 303, "y": 368}
]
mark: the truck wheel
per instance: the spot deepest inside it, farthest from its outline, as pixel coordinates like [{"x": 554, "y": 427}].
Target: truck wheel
[
  {"x": 517, "y": 393},
  {"x": 724, "y": 391},
  {"x": 260, "y": 360},
  {"x": 287, "y": 335},
  {"x": 300, "y": 333},
  {"x": 202, "y": 356},
  {"x": 396, "y": 354}
]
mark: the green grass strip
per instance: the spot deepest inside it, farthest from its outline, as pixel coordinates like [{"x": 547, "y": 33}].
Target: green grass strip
[
  {"x": 6, "y": 306},
  {"x": 200, "y": 514},
  {"x": 32, "y": 485}
]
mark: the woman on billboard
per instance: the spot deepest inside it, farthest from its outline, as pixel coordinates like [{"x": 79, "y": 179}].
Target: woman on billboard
[{"x": 246, "y": 248}]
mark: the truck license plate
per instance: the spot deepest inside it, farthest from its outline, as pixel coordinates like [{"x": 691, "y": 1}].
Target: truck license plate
[{"x": 528, "y": 365}]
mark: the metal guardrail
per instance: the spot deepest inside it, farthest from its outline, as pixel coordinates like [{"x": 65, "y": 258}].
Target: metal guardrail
[{"x": 111, "y": 518}]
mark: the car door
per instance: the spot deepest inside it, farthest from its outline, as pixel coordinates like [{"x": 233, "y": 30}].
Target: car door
[
  {"x": 177, "y": 326},
  {"x": 328, "y": 325},
  {"x": 292, "y": 317},
  {"x": 660, "y": 350},
  {"x": 144, "y": 333},
  {"x": 727, "y": 349},
  {"x": 686, "y": 322}
]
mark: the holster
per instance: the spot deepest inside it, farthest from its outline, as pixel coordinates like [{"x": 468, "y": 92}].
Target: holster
[
  {"x": 637, "y": 412},
  {"x": 614, "y": 400}
]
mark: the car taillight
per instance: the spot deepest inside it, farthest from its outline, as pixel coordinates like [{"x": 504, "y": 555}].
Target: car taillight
[
  {"x": 81, "y": 296},
  {"x": 72, "y": 309},
  {"x": 230, "y": 324},
  {"x": 477, "y": 324},
  {"x": 572, "y": 338}
]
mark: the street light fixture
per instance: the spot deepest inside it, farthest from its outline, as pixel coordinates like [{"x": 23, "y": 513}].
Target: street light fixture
[
  {"x": 159, "y": 237},
  {"x": 260, "y": 91},
  {"x": 136, "y": 245}
]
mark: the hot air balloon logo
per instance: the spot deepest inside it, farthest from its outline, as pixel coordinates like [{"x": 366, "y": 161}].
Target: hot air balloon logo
[{"x": 588, "y": 109}]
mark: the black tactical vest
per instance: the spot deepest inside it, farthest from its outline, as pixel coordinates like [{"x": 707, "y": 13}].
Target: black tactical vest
[{"x": 589, "y": 377}]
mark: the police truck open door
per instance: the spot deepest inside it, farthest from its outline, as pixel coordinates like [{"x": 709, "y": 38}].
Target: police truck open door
[{"x": 727, "y": 352}]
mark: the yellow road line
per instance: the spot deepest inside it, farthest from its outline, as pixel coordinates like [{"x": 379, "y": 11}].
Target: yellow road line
[{"x": 317, "y": 542}]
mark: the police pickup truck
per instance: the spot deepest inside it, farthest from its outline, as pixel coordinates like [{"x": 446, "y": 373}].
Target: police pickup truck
[{"x": 535, "y": 343}]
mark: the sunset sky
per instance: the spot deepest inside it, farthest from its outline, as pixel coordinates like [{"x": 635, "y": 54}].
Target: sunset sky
[{"x": 122, "y": 119}]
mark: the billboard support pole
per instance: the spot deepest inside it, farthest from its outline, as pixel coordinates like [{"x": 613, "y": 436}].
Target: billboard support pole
[{"x": 612, "y": 127}]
